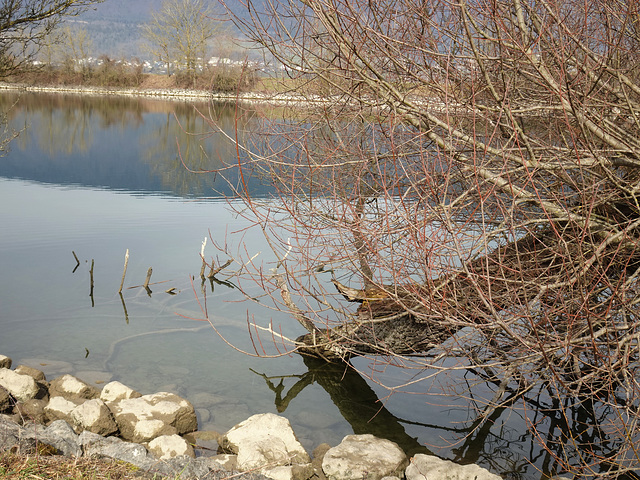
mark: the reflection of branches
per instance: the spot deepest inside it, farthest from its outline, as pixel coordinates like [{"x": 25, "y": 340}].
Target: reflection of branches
[
  {"x": 282, "y": 403},
  {"x": 355, "y": 399},
  {"x": 484, "y": 439},
  {"x": 172, "y": 145}
]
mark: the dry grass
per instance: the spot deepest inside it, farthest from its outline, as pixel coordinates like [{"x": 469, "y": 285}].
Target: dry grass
[
  {"x": 41, "y": 467},
  {"x": 154, "y": 81}
]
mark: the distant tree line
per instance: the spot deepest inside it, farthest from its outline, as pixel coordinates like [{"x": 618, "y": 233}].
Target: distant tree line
[
  {"x": 180, "y": 35},
  {"x": 26, "y": 25},
  {"x": 184, "y": 35}
]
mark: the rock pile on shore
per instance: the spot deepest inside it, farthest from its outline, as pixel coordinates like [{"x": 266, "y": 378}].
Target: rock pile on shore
[{"x": 158, "y": 433}]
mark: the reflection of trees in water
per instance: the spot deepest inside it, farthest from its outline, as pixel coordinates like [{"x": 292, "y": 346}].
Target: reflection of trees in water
[
  {"x": 484, "y": 439},
  {"x": 178, "y": 144},
  {"x": 58, "y": 128},
  {"x": 64, "y": 122},
  {"x": 357, "y": 402},
  {"x": 182, "y": 151}
]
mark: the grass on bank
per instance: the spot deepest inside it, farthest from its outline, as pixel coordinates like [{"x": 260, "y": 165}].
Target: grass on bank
[
  {"x": 230, "y": 79},
  {"x": 221, "y": 79},
  {"x": 49, "y": 467}
]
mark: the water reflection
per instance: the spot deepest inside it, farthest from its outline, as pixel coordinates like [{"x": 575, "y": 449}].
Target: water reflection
[
  {"x": 161, "y": 147},
  {"x": 142, "y": 154},
  {"x": 357, "y": 402},
  {"x": 500, "y": 440}
]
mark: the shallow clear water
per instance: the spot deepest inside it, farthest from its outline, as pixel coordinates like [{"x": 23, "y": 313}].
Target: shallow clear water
[
  {"x": 73, "y": 196},
  {"x": 99, "y": 176}
]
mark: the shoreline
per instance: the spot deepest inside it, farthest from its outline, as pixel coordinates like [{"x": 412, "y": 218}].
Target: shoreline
[
  {"x": 162, "y": 93},
  {"x": 188, "y": 95}
]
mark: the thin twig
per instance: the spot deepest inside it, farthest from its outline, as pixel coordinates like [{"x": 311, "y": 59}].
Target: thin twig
[
  {"x": 77, "y": 261},
  {"x": 124, "y": 272}
]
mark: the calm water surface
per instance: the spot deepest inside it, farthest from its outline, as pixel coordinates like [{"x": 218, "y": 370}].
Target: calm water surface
[{"x": 99, "y": 176}]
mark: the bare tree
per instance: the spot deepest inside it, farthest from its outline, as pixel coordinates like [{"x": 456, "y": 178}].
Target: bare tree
[
  {"x": 180, "y": 34},
  {"x": 25, "y": 27},
  {"x": 25, "y": 24},
  {"x": 469, "y": 175},
  {"x": 73, "y": 48}
]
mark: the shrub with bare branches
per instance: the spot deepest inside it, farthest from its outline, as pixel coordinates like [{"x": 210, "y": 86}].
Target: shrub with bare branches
[
  {"x": 468, "y": 174},
  {"x": 26, "y": 24}
]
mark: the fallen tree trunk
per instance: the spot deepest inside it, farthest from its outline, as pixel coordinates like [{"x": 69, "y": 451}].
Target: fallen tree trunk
[{"x": 508, "y": 298}]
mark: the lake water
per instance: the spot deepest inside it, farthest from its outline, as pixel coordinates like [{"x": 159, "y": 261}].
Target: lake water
[{"x": 96, "y": 176}]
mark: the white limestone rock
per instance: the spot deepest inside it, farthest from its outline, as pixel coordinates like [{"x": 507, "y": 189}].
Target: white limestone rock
[
  {"x": 144, "y": 418},
  {"x": 279, "y": 473},
  {"x": 5, "y": 362},
  {"x": 22, "y": 387},
  {"x": 289, "y": 472},
  {"x": 114, "y": 391},
  {"x": 364, "y": 456},
  {"x": 59, "y": 408},
  {"x": 94, "y": 416},
  {"x": 73, "y": 389},
  {"x": 169, "y": 446},
  {"x": 38, "y": 375},
  {"x": 265, "y": 439},
  {"x": 426, "y": 467}
]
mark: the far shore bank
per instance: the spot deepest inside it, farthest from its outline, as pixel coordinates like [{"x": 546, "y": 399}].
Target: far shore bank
[
  {"x": 290, "y": 99},
  {"x": 161, "y": 93}
]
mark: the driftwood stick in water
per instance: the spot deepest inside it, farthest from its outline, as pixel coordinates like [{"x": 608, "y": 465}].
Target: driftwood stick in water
[
  {"x": 124, "y": 272},
  {"x": 77, "y": 261},
  {"x": 204, "y": 263},
  {"x": 91, "y": 282},
  {"x": 146, "y": 282},
  {"x": 124, "y": 306},
  {"x": 213, "y": 272}
]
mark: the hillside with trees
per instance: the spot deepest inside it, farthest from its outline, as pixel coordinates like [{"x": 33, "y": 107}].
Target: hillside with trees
[{"x": 115, "y": 27}]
